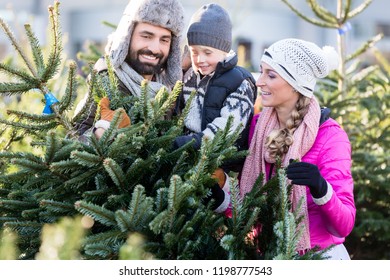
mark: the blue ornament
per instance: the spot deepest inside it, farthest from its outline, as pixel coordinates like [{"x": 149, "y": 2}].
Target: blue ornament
[{"x": 50, "y": 100}]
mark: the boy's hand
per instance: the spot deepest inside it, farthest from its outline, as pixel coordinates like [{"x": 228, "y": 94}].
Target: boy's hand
[{"x": 182, "y": 140}]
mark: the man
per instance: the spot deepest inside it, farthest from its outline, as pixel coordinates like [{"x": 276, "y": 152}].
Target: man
[{"x": 145, "y": 45}]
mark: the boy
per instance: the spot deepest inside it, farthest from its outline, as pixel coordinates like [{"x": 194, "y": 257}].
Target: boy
[{"x": 222, "y": 88}]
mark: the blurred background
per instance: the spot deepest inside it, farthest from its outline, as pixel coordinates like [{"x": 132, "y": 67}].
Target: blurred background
[{"x": 256, "y": 23}]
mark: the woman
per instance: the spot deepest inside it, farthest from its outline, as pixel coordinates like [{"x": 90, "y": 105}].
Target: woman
[{"x": 292, "y": 127}]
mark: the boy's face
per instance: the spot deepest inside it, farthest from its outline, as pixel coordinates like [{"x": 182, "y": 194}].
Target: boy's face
[{"x": 205, "y": 59}]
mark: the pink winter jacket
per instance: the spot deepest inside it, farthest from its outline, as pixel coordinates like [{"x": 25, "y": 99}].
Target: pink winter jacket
[{"x": 331, "y": 222}]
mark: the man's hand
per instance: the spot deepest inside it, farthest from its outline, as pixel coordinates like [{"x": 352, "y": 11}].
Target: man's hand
[{"x": 107, "y": 114}]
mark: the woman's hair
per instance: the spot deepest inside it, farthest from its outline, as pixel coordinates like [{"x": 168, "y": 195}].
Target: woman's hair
[{"x": 278, "y": 141}]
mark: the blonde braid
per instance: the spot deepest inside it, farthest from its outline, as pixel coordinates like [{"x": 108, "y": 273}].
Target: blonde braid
[{"x": 278, "y": 141}]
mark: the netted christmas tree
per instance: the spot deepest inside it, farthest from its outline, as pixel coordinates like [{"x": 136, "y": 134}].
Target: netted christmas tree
[{"x": 131, "y": 182}]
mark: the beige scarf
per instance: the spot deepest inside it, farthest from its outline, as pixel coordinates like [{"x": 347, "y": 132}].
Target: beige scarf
[{"x": 304, "y": 137}]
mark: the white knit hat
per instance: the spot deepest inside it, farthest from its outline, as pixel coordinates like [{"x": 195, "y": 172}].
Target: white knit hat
[{"x": 301, "y": 63}]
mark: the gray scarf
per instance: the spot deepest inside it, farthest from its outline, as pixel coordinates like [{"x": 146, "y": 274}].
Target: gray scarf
[{"x": 132, "y": 80}]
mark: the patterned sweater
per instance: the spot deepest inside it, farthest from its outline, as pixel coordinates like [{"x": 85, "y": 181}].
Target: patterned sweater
[
  {"x": 228, "y": 91},
  {"x": 238, "y": 103}
]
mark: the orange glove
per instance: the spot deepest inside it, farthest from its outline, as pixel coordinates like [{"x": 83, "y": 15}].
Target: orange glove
[
  {"x": 107, "y": 114},
  {"x": 220, "y": 176},
  {"x": 257, "y": 106}
]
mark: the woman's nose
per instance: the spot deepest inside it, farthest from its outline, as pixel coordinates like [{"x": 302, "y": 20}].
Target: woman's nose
[{"x": 260, "y": 81}]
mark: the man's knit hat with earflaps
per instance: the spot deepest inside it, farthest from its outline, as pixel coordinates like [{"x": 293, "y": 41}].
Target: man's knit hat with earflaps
[{"x": 165, "y": 13}]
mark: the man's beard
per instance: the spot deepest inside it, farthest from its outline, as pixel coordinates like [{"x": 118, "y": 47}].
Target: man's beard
[{"x": 143, "y": 68}]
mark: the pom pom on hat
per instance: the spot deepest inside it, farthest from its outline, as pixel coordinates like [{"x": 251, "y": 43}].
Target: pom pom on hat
[
  {"x": 331, "y": 56},
  {"x": 301, "y": 63}
]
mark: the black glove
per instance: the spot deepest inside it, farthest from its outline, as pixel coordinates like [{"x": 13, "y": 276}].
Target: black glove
[
  {"x": 307, "y": 174},
  {"x": 182, "y": 140},
  {"x": 217, "y": 194}
]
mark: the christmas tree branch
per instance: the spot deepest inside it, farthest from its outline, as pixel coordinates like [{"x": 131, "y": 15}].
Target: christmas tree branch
[
  {"x": 365, "y": 46},
  {"x": 359, "y": 9},
  {"x": 54, "y": 58},
  {"x": 321, "y": 12},
  {"x": 98, "y": 213},
  {"x": 70, "y": 92},
  {"x": 311, "y": 20},
  {"x": 17, "y": 47},
  {"x": 116, "y": 173},
  {"x": 57, "y": 206},
  {"x": 36, "y": 50}
]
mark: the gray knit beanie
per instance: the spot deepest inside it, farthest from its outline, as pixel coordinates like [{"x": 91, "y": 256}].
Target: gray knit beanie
[
  {"x": 165, "y": 13},
  {"x": 301, "y": 63},
  {"x": 211, "y": 26}
]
